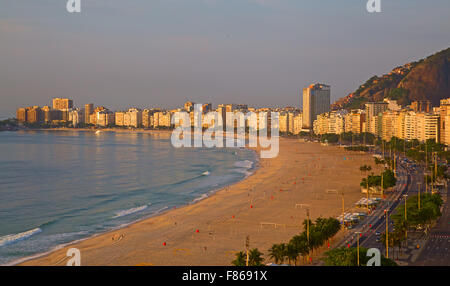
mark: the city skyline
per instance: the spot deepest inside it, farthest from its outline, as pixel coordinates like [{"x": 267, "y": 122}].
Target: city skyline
[{"x": 206, "y": 51}]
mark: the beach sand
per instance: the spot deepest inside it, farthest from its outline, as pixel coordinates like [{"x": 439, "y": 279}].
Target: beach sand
[{"x": 268, "y": 206}]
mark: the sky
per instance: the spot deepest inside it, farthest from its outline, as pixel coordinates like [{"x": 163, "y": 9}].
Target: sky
[{"x": 161, "y": 53}]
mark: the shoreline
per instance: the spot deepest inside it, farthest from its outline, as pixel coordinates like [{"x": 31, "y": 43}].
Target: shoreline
[
  {"x": 207, "y": 195},
  {"x": 159, "y": 212},
  {"x": 216, "y": 223}
]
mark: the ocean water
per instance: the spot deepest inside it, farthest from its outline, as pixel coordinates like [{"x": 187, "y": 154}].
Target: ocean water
[{"x": 60, "y": 186}]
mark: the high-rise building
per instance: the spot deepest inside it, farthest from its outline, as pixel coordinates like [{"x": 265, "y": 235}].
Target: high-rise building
[
  {"x": 105, "y": 118},
  {"x": 331, "y": 122},
  {"x": 135, "y": 117},
  {"x": 35, "y": 114},
  {"x": 355, "y": 121},
  {"x": 120, "y": 118},
  {"x": 284, "y": 122},
  {"x": 88, "y": 110},
  {"x": 21, "y": 114},
  {"x": 77, "y": 116},
  {"x": 316, "y": 100},
  {"x": 444, "y": 112},
  {"x": 427, "y": 127},
  {"x": 51, "y": 114},
  {"x": 147, "y": 118},
  {"x": 297, "y": 123},
  {"x": 445, "y": 131},
  {"x": 373, "y": 118},
  {"x": 62, "y": 103},
  {"x": 390, "y": 124}
]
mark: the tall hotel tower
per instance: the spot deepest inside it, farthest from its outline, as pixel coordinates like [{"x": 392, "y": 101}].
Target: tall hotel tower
[{"x": 316, "y": 100}]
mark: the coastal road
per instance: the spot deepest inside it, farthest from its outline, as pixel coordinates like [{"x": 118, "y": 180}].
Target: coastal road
[
  {"x": 407, "y": 184},
  {"x": 437, "y": 248},
  {"x": 375, "y": 222}
]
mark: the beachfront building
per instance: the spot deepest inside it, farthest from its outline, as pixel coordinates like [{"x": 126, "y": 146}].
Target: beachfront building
[
  {"x": 162, "y": 119},
  {"x": 105, "y": 118},
  {"x": 119, "y": 118},
  {"x": 290, "y": 121},
  {"x": 88, "y": 110},
  {"x": 284, "y": 122},
  {"x": 330, "y": 123},
  {"x": 444, "y": 112},
  {"x": 34, "y": 114},
  {"x": 297, "y": 123},
  {"x": 410, "y": 125},
  {"x": 94, "y": 116},
  {"x": 373, "y": 117},
  {"x": 21, "y": 114},
  {"x": 147, "y": 118},
  {"x": 135, "y": 117},
  {"x": 316, "y": 101},
  {"x": 355, "y": 121},
  {"x": 76, "y": 117},
  {"x": 390, "y": 123},
  {"x": 62, "y": 103},
  {"x": 31, "y": 114},
  {"x": 427, "y": 127},
  {"x": 50, "y": 114},
  {"x": 130, "y": 118}
]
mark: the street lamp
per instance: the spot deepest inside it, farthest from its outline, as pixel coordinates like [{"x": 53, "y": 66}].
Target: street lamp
[
  {"x": 358, "y": 234},
  {"x": 307, "y": 228},
  {"x": 247, "y": 245},
  {"x": 406, "y": 221},
  {"x": 387, "y": 234}
]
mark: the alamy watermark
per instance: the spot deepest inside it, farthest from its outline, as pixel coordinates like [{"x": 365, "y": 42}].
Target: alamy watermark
[
  {"x": 73, "y": 6},
  {"x": 75, "y": 257},
  {"x": 373, "y": 6},
  {"x": 236, "y": 126}
]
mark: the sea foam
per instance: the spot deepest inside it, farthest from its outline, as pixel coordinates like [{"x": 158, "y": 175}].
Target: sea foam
[
  {"x": 12, "y": 238},
  {"x": 130, "y": 211}
]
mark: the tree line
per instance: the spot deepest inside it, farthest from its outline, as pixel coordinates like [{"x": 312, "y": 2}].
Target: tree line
[{"x": 299, "y": 247}]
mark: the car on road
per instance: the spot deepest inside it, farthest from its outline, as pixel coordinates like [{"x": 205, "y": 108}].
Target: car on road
[{"x": 377, "y": 233}]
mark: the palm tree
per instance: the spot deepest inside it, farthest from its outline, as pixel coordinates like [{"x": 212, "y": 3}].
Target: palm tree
[
  {"x": 277, "y": 252},
  {"x": 291, "y": 253},
  {"x": 300, "y": 244},
  {"x": 240, "y": 259},
  {"x": 255, "y": 258}
]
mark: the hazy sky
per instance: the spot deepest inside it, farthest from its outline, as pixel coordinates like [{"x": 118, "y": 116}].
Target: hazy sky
[{"x": 148, "y": 53}]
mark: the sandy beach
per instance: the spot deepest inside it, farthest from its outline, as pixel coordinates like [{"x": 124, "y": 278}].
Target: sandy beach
[{"x": 268, "y": 206}]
